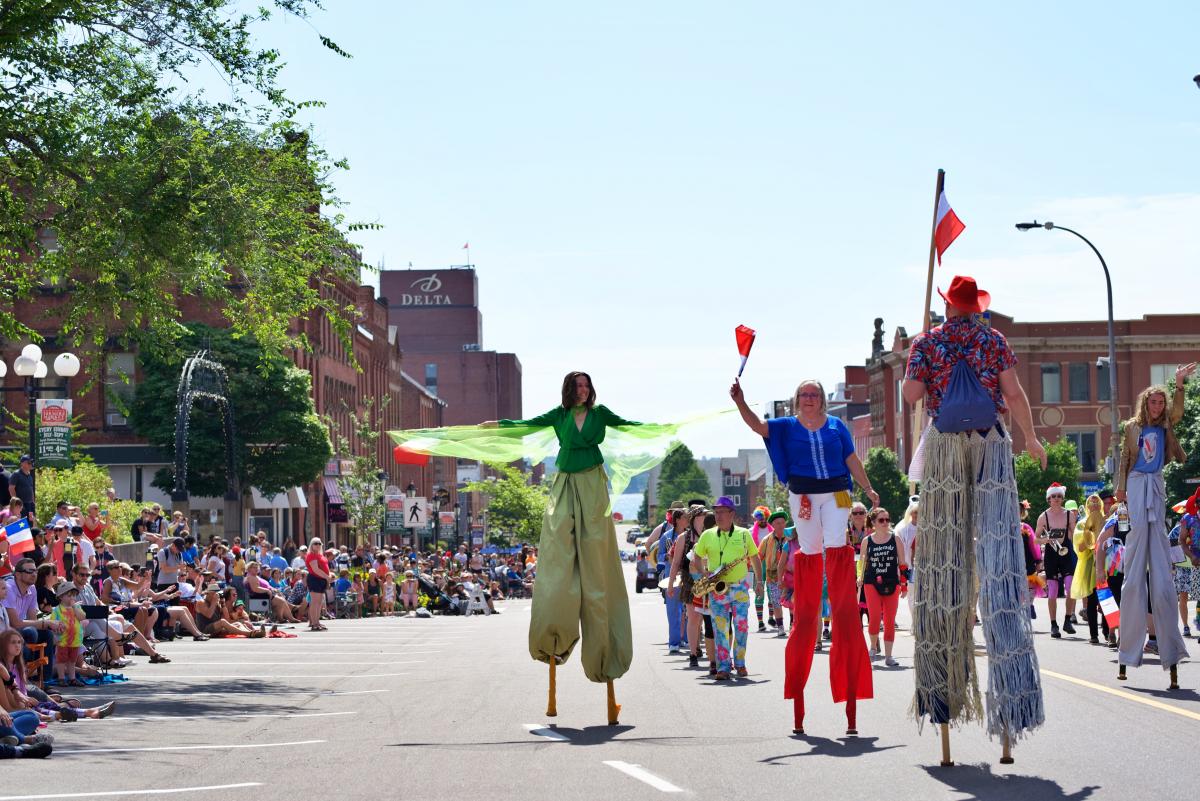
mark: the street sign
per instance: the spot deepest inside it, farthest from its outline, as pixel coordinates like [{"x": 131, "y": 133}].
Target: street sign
[
  {"x": 393, "y": 515},
  {"x": 1091, "y": 487},
  {"x": 416, "y": 512},
  {"x": 53, "y": 433}
]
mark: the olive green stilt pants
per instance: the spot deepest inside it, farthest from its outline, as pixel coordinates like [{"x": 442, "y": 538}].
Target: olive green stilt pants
[{"x": 580, "y": 581}]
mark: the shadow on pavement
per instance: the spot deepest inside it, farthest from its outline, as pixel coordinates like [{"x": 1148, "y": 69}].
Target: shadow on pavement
[
  {"x": 589, "y": 736},
  {"x": 980, "y": 784},
  {"x": 1174, "y": 695},
  {"x": 824, "y": 746}
]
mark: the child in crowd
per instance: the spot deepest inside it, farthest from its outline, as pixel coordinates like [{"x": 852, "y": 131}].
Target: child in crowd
[
  {"x": 408, "y": 592},
  {"x": 69, "y": 641}
]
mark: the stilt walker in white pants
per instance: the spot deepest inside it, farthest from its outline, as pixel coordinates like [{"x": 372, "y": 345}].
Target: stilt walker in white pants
[{"x": 1148, "y": 444}]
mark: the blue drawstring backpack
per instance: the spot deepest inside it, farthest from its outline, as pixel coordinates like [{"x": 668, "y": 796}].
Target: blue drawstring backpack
[{"x": 966, "y": 404}]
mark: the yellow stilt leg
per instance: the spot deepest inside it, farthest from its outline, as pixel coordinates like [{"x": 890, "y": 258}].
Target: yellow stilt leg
[
  {"x": 946, "y": 760},
  {"x": 551, "y": 706},
  {"x": 614, "y": 709}
]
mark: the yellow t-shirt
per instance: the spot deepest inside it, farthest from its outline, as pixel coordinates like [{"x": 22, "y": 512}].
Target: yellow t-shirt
[{"x": 721, "y": 548}]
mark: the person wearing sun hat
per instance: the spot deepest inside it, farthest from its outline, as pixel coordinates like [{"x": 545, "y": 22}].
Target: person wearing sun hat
[{"x": 965, "y": 374}]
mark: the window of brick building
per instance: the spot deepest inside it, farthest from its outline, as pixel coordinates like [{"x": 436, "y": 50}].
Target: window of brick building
[
  {"x": 1161, "y": 373},
  {"x": 1085, "y": 448},
  {"x": 119, "y": 387},
  {"x": 431, "y": 378},
  {"x": 1052, "y": 382},
  {"x": 1078, "y": 389}
]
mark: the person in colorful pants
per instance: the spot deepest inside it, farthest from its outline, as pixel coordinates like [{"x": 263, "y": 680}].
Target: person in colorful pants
[
  {"x": 759, "y": 532},
  {"x": 727, "y": 546},
  {"x": 771, "y": 551}
]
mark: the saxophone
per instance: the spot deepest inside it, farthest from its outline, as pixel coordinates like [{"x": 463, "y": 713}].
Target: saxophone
[{"x": 715, "y": 582}]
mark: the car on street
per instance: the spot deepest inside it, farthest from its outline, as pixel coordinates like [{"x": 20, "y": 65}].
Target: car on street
[{"x": 632, "y": 535}]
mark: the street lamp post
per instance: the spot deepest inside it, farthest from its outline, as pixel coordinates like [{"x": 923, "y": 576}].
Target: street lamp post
[
  {"x": 29, "y": 365},
  {"x": 1112, "y": 341}
]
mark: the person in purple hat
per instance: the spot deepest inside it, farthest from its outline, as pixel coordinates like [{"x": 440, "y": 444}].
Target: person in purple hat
[{"x": 729, "y": 548}]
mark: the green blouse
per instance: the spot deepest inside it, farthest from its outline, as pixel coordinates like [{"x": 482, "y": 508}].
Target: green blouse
[{"x": 578, "y": 448}]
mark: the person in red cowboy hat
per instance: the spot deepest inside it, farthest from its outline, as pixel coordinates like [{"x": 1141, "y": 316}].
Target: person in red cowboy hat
[{"x": 964, "y": 371}]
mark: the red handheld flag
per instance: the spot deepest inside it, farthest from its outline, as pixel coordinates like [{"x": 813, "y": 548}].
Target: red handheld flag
[{"x": 745, "y": 341}]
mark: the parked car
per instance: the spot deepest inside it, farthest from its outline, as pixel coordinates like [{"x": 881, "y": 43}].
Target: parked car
[{"x": 632, "y": 535}]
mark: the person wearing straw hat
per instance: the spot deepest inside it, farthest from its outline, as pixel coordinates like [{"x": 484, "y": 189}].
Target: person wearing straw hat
[{"x": 965, "y": 373}]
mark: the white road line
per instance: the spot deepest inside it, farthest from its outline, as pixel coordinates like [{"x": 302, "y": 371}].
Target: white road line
[
  {"x": 207, "y": 677},
  {"x": 107, "y": 793},
  {"x": 245, "y": 715},
  {"x": 191, "y": 655},
  {"x": 308, "y": 664},
  {"x": 539, "y": 730},
  {"x": 357, "y": 692},
  {"x": 643, "y": 775},
  {"x": 217, "y": 747}
]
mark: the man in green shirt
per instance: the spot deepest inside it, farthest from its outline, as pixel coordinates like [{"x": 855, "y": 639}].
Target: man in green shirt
[{"x": 730, "y": 545}]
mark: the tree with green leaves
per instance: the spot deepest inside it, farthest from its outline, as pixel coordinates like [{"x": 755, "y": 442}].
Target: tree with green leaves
[
  {"x": 680, "y": 478},
  {"x": 1188, "y": 433},
  {"x": 281, "y": 442},
  {"x": 515, "y": 506},
  {"x": 363, "y": 488},
  {"x": 124, "y": 185},
  {"x": 1062, "y": 466},
  {"x": 81, "y": 485},
  {"x": 887, "y": 479},
  {"x": 776, "y": 496}
]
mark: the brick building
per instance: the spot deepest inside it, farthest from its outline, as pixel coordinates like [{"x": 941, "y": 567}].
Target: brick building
[
  {"x": 337, "y": 388},
  {"x": 436, "y": 316},
  {"x": 1058, "y": 366}
]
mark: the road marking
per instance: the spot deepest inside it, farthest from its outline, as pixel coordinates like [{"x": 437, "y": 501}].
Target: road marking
[
  {"x": 327, "y": 653},
  {"x": 643, "y": 775},
  {"x": 161, "y": 791},
  {"x": 299, "y": 676},
  {"x": 184, "y": 748},
  {"x": 1187, "y": 713},
  {"x": 539, "y": 730},
  {"x": 310, "y": 664},
  {"x": 357, "y": 692},
  {"x": 241, "y": 715}
]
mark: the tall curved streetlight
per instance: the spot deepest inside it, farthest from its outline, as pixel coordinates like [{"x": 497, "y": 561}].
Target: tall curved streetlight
[{"x": 1112, "y": 341}]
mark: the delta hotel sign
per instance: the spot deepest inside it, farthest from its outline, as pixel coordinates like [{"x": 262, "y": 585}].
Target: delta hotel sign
[{"x": 427, "y": 290}]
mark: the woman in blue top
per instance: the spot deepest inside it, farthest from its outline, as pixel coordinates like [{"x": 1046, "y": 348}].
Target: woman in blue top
[{"x": 813, "y": 453}]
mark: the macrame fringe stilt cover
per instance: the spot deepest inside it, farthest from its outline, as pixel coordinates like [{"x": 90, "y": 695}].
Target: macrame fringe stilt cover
[
  {"x": 947, "y": 689},
  {"x": 1014, "y": 691}
]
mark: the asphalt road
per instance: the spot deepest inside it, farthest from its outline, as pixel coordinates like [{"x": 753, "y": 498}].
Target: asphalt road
[{"x": 452, "y": 707}]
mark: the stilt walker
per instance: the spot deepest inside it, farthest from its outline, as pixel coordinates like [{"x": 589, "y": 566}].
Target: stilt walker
[
  {"x": 1147, "y": 445},
  {"x": 970, "y": 514},
  {"x": 580, "y": 587},
  {"x": 813, "y": 453}
]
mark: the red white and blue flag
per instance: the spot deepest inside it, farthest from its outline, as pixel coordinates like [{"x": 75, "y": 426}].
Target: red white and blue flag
[
  {"x": 20, "y": 538},
  {"x": 948, "y": 226}
]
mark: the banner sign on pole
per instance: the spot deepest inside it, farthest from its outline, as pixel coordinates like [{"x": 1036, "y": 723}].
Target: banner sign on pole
[
  {"x": 53, "y": 433},
  {"x": 393, "y": 516}
]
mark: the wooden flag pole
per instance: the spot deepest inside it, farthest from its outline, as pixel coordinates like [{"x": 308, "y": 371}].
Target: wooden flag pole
[{"x": 919, "y": 409}]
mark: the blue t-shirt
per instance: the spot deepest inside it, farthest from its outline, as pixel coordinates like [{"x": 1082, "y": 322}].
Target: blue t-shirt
[
  {"x": 342, "y": 586},
  {"x": 1150, "y": 450},
  {"x": 190, "y": 555},
  {"x": 810, "y": 462}
]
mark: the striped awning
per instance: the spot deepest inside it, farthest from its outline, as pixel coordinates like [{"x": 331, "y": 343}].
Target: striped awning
[{"x": 332, "y": 493}]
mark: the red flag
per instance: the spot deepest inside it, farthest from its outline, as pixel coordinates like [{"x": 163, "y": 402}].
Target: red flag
[
  {"x": 466, "y": 246},
  {"x": 403, "y": 455},
  {"x": 745, "y": 341},
  {"x": 948, "y": 226}
]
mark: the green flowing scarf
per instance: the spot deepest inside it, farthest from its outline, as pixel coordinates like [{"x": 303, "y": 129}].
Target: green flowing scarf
[{"x": 627, "y": 450}]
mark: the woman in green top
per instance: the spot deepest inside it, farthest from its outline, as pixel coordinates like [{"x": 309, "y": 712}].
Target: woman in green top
[{"x": 579, "y": 576}]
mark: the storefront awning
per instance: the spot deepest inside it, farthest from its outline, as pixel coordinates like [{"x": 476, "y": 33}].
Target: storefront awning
[
  {"x": 294, "y": 498},
  {"x": 332, "y": 493}
]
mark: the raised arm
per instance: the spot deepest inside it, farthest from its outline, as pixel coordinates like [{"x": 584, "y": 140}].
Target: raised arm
[
  {"x": 756, "y": 424},
  {"x": 547, "y": 419}
]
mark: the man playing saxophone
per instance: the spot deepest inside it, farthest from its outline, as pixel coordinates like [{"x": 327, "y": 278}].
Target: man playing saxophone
[{"x": 726, "y": 550}]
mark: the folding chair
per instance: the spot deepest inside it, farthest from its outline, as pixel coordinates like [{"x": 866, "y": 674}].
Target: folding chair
[
  {"x": 259, "y": 606},
  {"x": 39, "y": 663},
  {"x": 95, "y": 649}
]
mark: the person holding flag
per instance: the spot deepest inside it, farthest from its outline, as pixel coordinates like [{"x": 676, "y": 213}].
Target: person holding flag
[{"x": 813, "y": 453}]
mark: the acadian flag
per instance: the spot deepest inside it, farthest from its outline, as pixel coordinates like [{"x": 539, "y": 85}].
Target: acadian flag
[
  {"x": 745, "y": 341},
  {"x": 20, "y": 538},
  {"x": 1108, "y": 606},
  {"x": 948, "y": 226}
]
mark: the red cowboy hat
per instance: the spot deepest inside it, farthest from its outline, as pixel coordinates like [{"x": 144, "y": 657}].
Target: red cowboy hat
[{"x": 963, "y": 294}]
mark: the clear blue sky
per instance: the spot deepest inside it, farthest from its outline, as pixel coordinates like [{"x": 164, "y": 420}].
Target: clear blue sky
[{"x": 636, "y": 179}]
